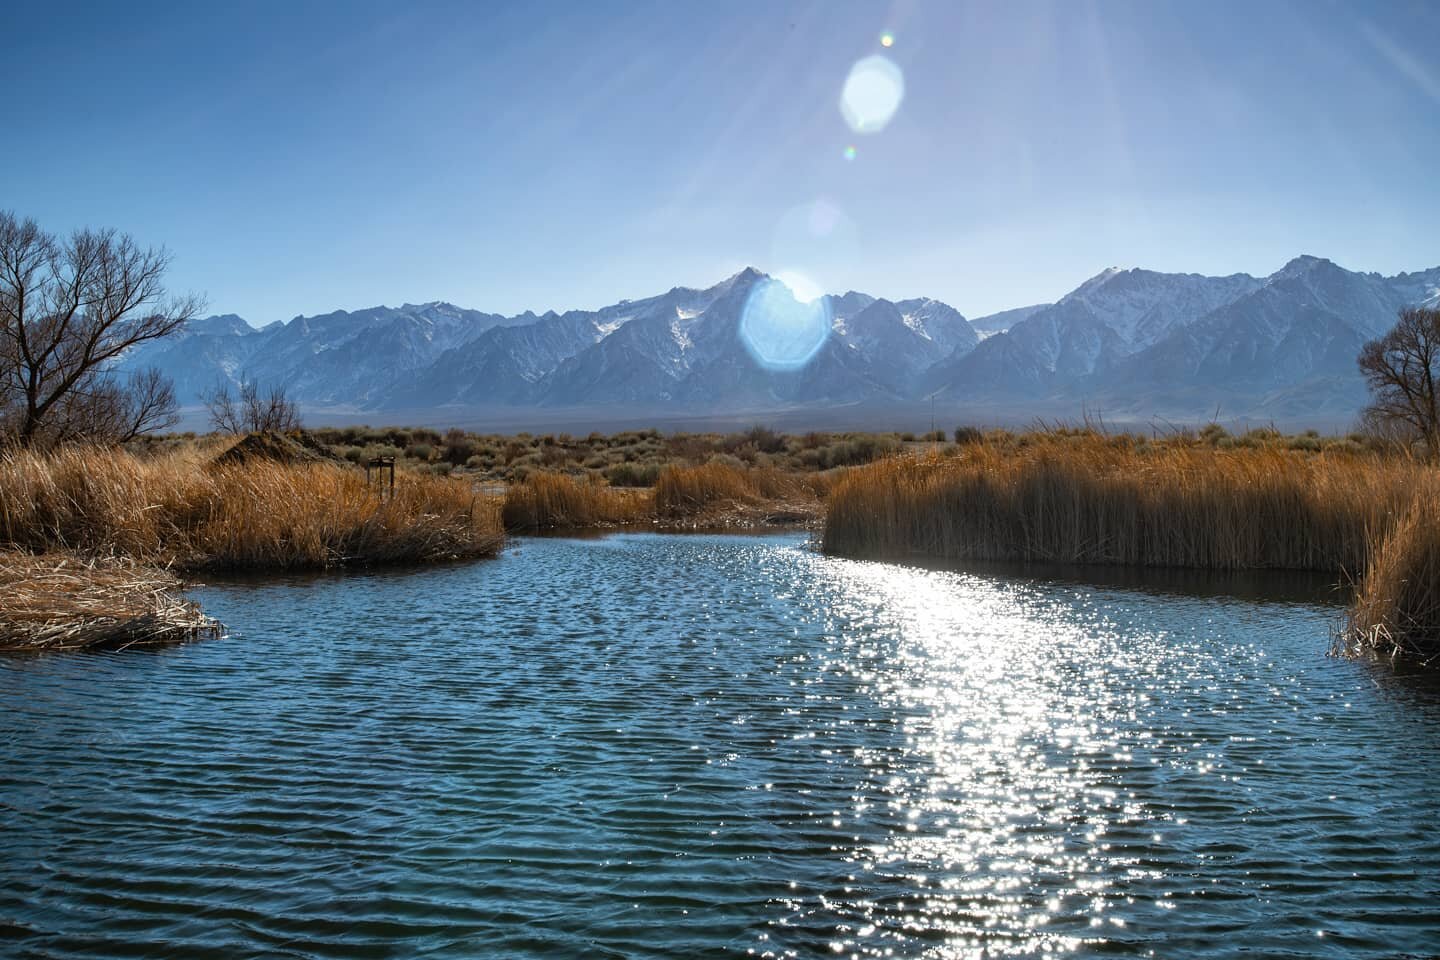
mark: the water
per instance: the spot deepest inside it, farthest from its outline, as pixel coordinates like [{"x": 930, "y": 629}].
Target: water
[{"x": 647, "y": 746}]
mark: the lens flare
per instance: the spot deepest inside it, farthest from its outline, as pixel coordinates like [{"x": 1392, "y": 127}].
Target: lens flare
[
  {"x": 850, "y": 152},
  {"x": 785, "y": 321},
  {"x": 872, "y": 93},
  {"x": 887, "y": 39}
]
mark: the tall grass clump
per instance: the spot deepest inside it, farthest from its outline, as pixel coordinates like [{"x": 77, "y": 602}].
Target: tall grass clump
[
  {"x": 685, "y": 491},
  {"x": 1396, "y": 612},
  {"x": 555, "y": 501},
  {"x": 1114, "y": 500},
  {"x": 182, "y": 510}
]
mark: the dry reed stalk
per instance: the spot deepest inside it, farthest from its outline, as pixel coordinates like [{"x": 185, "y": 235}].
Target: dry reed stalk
[{"x": 58, "y": 601}]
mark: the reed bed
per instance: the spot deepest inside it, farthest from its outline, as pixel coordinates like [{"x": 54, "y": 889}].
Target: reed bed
[
  {"x": 1396, "y": 612},
  {"x": 687, "y": 491},
  {"x": 180, "y": 510},
  {"x": 556, "y": 501},
  {"x": 1104, "y": 500},
  {"x": 58, "y": 601}
]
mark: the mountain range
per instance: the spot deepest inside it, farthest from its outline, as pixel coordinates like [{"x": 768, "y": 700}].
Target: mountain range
[{"x": 1125, "y": 344}]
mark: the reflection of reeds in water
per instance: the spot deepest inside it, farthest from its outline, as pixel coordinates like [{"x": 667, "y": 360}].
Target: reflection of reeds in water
[
  {"x": 258, "y": 515},
  {"x": 58, "y": 601}
]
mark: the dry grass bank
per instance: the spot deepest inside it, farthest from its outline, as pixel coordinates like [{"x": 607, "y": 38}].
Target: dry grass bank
[
  {"x": 682, "y": 491},
  {"x": 181, "y": 510},
  {"x": 1396, "y": 612},
  {"x": 556, "y": 501},
  {"x": 1088, "y": 498},
  {"x": 707, "y": 496},
  {"x": 58, "y": 601}
]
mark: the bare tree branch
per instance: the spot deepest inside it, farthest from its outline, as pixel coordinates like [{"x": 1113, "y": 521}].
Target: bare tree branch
[
  {"x": 68, "y": 310},
  {"x": 1400, "y": 369},
  {"x": 251, "y": 411}
]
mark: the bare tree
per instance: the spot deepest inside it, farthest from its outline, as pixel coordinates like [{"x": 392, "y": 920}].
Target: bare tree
[
  {"x": 68, "y": 309},
  {"x": 251, "y": 410},
  {"x": 1401, "y": 369}
]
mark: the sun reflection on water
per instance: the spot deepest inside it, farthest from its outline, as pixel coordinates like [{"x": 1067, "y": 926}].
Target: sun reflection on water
[{"x": 998, "y": 813}]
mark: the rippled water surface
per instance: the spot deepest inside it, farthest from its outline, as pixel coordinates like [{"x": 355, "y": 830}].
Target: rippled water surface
[{"x": 648, "y": 746}]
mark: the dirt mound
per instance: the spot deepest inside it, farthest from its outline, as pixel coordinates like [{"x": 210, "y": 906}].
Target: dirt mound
[{"x": 298, "y": 447}]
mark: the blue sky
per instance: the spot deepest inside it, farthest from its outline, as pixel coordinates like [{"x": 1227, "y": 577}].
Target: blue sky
[{"x": 303, "y": 157}]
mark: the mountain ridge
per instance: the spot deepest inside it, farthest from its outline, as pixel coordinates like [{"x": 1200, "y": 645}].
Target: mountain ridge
[{"x": 1129, "y": 340}]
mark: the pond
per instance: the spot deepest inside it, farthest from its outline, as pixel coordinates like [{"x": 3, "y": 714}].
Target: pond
[{"x": 688, "y": 746}]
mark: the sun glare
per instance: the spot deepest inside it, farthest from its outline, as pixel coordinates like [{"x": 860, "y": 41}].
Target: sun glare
[
  {"x": 785, "y": 321},
  {"x": 872, "y": 93}
]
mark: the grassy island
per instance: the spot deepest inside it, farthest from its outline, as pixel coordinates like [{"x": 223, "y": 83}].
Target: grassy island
[{"x": 94, "y": 537}]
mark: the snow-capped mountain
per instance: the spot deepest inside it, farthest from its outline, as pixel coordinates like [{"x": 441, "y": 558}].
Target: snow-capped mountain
[
  {"x": 336, "y": 359},
  {"x": 1131, "y": 342},
  {"x": 991, "y": 324},
  {"x": 1112, "y": 315},
  {"x": 1290, "y": 343}
]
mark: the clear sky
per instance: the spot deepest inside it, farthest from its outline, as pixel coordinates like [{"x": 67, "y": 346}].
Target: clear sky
[{"x": 301, "y": 157}]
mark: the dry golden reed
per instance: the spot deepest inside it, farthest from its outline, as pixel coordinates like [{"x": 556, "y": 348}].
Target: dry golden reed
[
  {"x": 556, "y": 501},
  {"x": 1396, "y": 612},
  {"x": 181, "y": 510},
  {"x": 1107, "y": 500},
  {"x": 686, "y": 491},
  {"x": 59, "y": 601}
]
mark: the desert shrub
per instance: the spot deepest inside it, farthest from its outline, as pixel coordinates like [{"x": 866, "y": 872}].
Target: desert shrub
[
  {"x": 381, "y": 450},
  {"x": 1213, "y": 433},
  {"x": 459, "y": 447},
  {"x": 765, "y": 439},
  {"x": 633, "y": 474},
  {"x": 965, "y": 434}
]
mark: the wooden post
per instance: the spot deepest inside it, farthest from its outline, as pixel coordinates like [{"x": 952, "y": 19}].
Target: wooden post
[{"x": 380, "y": 465}]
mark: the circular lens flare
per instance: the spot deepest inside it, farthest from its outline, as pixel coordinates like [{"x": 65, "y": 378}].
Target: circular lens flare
[
  {"x": 785, "y": 321},
  {"x": 850, "y": 152},
  {"x": 872, "y": 93},
  {"x": 887, "y": 39}
]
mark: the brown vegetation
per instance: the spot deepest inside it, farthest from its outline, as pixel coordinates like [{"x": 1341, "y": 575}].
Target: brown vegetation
[
  {"x": 58, "y": 601},
  {"x": 554, "y": 501},
  {"x": 632, "y": 458},
  {"x": 1396, "y": 612},
  {"x": 175, "y": 509},
  {"x": 1089, "y": 498},
  {"x": 709, "y": 496}
]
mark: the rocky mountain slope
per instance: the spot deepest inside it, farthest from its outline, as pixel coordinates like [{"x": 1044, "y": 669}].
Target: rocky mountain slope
[{"x": 1131, "y": 342}]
